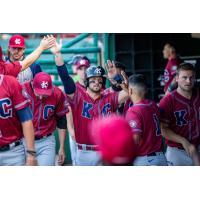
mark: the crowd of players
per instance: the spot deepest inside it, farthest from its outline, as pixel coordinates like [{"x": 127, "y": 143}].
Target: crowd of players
[{"x": 107, "y": 126}]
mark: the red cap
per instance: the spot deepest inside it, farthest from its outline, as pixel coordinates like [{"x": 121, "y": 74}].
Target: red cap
[
  {"x": 114, "y": 138},
  {"x": 82, "y": 62},
  {"x": 17, "y": 41},
  {"x": 42, "y": 84}
]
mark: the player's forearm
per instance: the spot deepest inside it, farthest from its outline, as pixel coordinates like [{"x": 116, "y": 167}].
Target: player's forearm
[
  {"x": 31, "y": 58},
  {"x": 28, "y": 132},
  {"x": 62, "y": 137},
  {"x": 59, "y": 59},
  {"x": 170, "y": 135},
  {"x": 66, "y": 79}
]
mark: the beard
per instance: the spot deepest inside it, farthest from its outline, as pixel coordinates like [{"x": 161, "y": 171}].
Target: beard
[
  {"x": 116, "y": 88},
  {"x": 187, "y": 89},
  {"x": 95, "y": 90}
]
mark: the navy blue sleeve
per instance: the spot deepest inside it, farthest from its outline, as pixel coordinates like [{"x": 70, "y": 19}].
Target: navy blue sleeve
[
  {"x": 24, "y": 114},
  {"x": 35, "y": 68},
  {"x": 66, "y": 79}
]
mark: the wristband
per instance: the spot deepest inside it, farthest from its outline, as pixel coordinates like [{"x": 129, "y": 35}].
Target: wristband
[{"x": 31, "y": 152}]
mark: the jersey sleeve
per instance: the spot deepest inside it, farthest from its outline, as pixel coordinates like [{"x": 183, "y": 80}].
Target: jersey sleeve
[
  {"x": 19, "y": 101},
  {"x": 12, "y": 69},
  {"x": 35, "y": 68},
  {"x": 135, "y": 121},
  {"x": 165, "y": 108},
  {"x": 62, "y": 104}
]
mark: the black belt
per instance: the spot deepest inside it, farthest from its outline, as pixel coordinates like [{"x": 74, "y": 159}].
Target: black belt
[
  {"x": 152, "y": 154},
  {"x": 39, "y": 137},
  {"x": 10, "y": 146}
]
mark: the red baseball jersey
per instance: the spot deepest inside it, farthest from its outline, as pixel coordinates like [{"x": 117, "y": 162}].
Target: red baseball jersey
[
  {"x": 47, "y": 110},
  {"x": 170, "y": 71},
  {"x": 12, "y": 69},
  {"x": 85, "y": 109},
  {"x": 182, "y": 115},
  {"x": 11, "y": 100},
  {"x": 80, "y": 87},
  {"x": 128, "y": 103},
  {"x": 144, "y": 119}
]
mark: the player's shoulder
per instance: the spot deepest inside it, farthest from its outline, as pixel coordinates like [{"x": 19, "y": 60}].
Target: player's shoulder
[{"x": 10, "y": 79}]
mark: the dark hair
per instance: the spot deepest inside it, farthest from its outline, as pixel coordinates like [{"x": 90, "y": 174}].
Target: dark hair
[
  {"x": 120, "y": 65},
  {"x": 186, "y": 66},
  {"x": 138, "y": 80}
]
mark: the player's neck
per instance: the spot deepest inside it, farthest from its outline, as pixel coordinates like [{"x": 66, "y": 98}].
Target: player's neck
[
  {"x": 172, "y": 56},
  {"x": 93, "y": 95},
  {"x": 81, "y": 82},
  {"x": 186, "y": 94},
  {"x": 136, "y": 99}
]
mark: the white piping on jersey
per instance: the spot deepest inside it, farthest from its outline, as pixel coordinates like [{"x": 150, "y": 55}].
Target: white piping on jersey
[
  {"x": 143, "y": 104},
  {"x": 21, "y": 104}
]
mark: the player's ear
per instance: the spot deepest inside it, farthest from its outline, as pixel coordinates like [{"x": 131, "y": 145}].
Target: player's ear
[{"x": 130, "y": 91}]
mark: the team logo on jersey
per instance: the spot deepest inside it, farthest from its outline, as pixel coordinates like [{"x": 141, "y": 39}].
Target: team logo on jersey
[
  {"x": 17, "y": 41},
  {"x": 44, "y": 84},
  {"x": 180, "y": 117},
  {"x": 132, "y": 124},
  {"x": 86, "y": 110},
  {"x": 106, "y": 110},
  {"x": 166, "y": 76},
  {"x": 157, "y": 123},
  {"x": 48, "y": 110},
  {"x": 5, "y": 108}
]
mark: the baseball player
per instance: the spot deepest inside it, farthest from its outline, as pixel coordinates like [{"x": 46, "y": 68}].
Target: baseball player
[
  {"x": 115, "y": 87},
  {"x": 114, "y": 138},
  {"x": 143, "y": 118},
  {"x": 180, "y": 118},
  {"x": 169, "y": 53},
  {"x": 49, "y": 108},
  {"x": 14, "y": 68},
  {"x": 79, "y": 64},
  {"x": 15, "y": 122},
  {"x": 87, "y": 106},
  {"x": 16, "y": 50}
]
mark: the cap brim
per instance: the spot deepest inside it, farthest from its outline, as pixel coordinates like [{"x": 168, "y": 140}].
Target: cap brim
[
  {"x": 43, "y": 92},
  {"x": 17, "y": 46}
]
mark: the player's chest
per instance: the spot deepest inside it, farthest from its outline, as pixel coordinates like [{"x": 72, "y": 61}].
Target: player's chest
[
  {"x": 43, "y": 110},
  {"x": 187, "y": 113},
  {"x": 89, "y": 109}
]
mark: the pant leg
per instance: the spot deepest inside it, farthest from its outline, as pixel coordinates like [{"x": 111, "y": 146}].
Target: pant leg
[
  {"x": 177, "y": 157},
  {"x": 45, "y": 151},
  {"x": 13, "y": 157},
  {"x": 158, "y": 160},
  {"x": 87, "y": 158}
]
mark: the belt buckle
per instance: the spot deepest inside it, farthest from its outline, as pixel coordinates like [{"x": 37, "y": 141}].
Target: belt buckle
[{"x": 12, "y": 145}]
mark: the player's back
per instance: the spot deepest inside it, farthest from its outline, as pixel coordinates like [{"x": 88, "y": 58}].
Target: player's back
[{"x": 146, "y": 119}]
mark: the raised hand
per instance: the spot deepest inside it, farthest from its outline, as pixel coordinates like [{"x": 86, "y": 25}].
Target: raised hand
[
  {"x": 57, "y": 47},
  {"x": 47, "y": 42}
]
